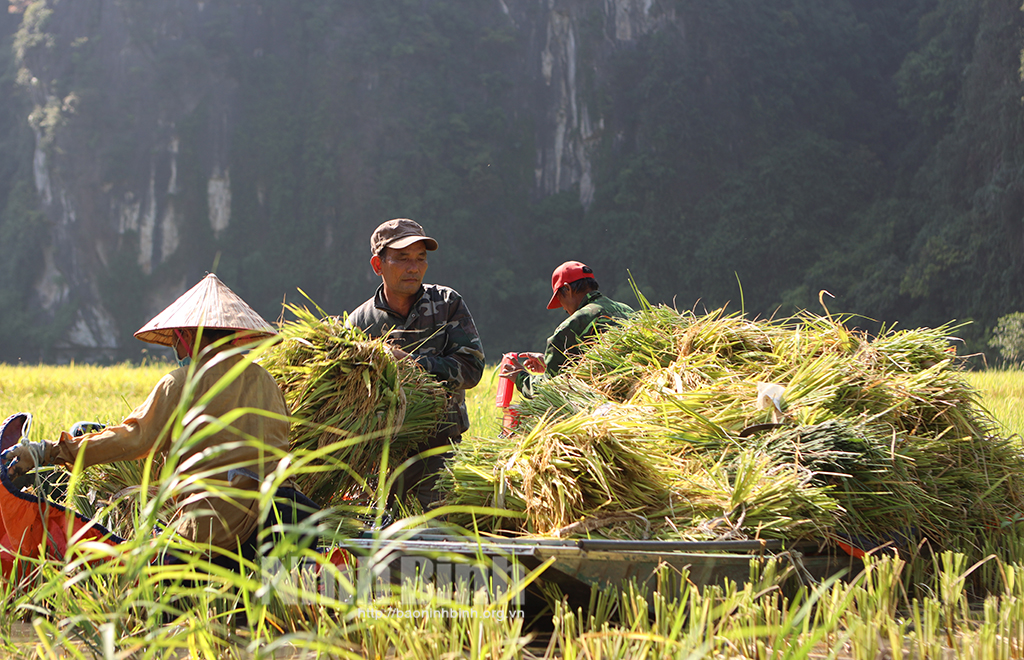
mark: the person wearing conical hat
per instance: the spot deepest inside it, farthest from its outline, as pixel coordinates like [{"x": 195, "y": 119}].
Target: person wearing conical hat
[{"x": 200, "y": 325}]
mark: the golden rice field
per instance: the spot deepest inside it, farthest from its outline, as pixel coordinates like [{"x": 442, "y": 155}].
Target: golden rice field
[
  {"x": 1003, "y": 394},
  {"x": 112, "y": 613},
  {"x": 58, "y": 396}
]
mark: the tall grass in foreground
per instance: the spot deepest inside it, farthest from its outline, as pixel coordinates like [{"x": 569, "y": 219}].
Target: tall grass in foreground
[
  {"x": 97, "y": 604},
  {"x": 117, "y": 608}
]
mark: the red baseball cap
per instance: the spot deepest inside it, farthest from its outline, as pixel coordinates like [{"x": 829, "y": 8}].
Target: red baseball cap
[{"x": 567, "y": 273}]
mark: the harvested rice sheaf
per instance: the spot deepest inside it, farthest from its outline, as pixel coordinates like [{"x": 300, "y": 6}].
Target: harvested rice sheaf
[
  {"x": 345, "y": 392},
  {"x": 702, "y": 427}
]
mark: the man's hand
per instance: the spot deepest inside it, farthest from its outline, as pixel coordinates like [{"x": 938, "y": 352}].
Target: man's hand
[
  {"x": 398, "y": 353},
  {"x": 25, "y": 456},
  {"x": 533, "y": 362},
  {"x": 509, "y": 369}
]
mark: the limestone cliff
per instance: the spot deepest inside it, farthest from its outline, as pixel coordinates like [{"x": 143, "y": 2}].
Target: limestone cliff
[
  {"x": 139, "y": 106},
  {"x": 715, "y": 150}
]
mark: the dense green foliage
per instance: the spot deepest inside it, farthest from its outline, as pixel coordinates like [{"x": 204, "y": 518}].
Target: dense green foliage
[
  {"x": 744, "y": 151},
  {"x": 1008, "y": 337}
]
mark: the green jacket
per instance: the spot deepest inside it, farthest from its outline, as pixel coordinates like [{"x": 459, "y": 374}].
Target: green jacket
[
  {"x": 596, "y": 312},
  {"x": 439, "y": 332}
]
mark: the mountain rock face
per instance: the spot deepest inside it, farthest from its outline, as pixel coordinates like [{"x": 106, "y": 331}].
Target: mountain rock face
[
  {"x": 170, "y": 133},
  {"x": 866, "y": 147}
]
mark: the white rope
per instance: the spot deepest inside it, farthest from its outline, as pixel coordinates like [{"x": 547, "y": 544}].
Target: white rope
[{"x": 38, "y": 452}]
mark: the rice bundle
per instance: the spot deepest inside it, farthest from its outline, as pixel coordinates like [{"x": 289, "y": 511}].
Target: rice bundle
[
  {"x": 577, "y": 478},
  {"x": 345, "y": 390},
  {"x": 614, "y": 475},
  {"x": 677, "y": 426},
  {"x": 564, "y": 470}
]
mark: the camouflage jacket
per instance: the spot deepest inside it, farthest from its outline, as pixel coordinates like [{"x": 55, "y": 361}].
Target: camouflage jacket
[
  {"x": 439, "y": 332},
  {"x": 595, "y": 313}
]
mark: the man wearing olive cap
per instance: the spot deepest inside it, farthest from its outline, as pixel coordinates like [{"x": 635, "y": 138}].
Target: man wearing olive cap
[
  {"x": 236, "y": 455},
  {"x": 574, "y": 289},
  {"x": 428, "y": 324}
]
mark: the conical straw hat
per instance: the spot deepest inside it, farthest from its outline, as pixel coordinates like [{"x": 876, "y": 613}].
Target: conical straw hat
[{"x": 209, "y": 304}]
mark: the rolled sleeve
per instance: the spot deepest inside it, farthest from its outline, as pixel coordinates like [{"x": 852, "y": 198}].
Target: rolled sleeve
[{"x": 143, "y": 429}]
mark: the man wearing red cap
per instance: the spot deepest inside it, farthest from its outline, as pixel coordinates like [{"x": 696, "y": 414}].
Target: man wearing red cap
[
  {"x": 574, "y": 289},
  {"x": 429, "y": 324}
]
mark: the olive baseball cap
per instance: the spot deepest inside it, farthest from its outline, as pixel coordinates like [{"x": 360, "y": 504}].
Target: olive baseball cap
[{"x": 397, "y": 234}]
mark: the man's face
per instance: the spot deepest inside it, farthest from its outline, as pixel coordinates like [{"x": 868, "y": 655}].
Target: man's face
[
  {"x": 567, "y": 300},
  {"x": 402, "y": 269},
  {"x": 180, "y": 348}
]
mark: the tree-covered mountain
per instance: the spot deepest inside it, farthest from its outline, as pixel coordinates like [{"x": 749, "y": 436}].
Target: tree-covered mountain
[{"x": 718, "y": 150}]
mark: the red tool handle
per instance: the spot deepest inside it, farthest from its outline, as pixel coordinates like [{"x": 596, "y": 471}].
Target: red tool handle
[{"x": 506, "y": 386}]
